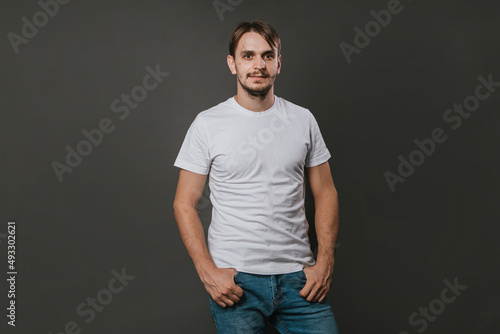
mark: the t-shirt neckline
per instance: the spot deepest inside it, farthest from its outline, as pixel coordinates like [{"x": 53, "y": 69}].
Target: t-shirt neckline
[{"x": 250, "y": 112}]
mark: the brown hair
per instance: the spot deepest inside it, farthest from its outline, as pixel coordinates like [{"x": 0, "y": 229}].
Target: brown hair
[{"x": 259, "y": 26}]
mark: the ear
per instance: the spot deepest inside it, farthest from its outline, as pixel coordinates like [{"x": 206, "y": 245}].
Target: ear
[
  {"x": 231, "y": 64},
  {"x": 279, "y": 64}
]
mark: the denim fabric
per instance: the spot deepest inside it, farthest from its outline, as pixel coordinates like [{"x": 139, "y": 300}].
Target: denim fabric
[{"x": 275, "y": 298}]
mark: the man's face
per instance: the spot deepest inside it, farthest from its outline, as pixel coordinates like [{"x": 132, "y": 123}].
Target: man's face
[{"x": 256, "y": 64}]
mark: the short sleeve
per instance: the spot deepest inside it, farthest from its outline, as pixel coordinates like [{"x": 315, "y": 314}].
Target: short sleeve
[
  {"x": 317, "y": 153},
  {"x": 194, "y": 154}
]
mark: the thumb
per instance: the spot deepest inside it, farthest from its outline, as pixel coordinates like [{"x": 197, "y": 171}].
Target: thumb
[
  {"x": 238, "y": 290},
  {"x": 305, "y": 290}
]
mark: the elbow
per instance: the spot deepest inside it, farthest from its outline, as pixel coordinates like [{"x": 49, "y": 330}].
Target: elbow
[
  {"x": 181, "y": 206},
  {"x": 328, "y": 194}
]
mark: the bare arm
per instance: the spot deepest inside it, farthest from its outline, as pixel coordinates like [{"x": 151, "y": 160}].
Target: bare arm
[
  {"x": 188, "y": 194},
  {"x": 219, "y": 283},
  {"x": 326, "y": 221},
  {"x": 326, "y": 218}
]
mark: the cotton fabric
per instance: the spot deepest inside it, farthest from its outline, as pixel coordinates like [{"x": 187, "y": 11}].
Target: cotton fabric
[{"x": 255, "y": 161}]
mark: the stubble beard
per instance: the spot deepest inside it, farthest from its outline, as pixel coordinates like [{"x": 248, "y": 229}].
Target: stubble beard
[{"x": 259, "y": 93}]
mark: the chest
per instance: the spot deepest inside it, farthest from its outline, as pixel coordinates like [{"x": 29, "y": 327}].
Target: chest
[{"x": 265, "y": 147}]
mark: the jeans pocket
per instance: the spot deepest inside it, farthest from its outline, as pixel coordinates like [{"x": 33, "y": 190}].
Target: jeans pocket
[{"x": 236, "y": 276}]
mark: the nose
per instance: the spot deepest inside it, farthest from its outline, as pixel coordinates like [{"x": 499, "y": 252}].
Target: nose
[{"x": 259, "y": 63}]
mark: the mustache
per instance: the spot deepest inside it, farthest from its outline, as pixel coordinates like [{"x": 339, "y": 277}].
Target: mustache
[{"x": 258, "y": 74}]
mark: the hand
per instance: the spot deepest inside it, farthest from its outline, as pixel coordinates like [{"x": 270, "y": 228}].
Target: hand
[
  {"x": 319, "y": 281},
  {"x": 219, "y": 283}
]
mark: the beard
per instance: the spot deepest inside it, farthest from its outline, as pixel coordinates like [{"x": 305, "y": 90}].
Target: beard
[{"x": 260, "y": 92}]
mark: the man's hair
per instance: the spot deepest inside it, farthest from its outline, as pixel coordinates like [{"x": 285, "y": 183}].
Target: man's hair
[{"x": 259, "y": 26}]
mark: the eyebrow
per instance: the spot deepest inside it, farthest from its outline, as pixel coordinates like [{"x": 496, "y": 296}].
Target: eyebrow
[{"x": 252, "y": 52}]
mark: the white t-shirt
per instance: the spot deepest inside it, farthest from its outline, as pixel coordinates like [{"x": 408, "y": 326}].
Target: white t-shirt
[{"x": 256, "y": 162}]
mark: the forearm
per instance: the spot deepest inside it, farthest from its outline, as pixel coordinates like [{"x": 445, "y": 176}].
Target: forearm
[
  {"x": 327, "y": 226},
  {"x": 193, "y": 237}
]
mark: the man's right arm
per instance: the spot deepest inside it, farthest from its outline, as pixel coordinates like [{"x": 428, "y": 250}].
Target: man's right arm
[{"x": 218, "y": 282}]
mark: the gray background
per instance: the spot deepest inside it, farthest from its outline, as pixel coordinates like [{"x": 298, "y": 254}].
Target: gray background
[{"x": 115, "y": 209}]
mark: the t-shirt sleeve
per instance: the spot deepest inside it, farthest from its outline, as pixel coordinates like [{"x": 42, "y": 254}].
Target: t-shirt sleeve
[
  {"x": 194, "y": 154},
  {"x": 318, "y": 153}
]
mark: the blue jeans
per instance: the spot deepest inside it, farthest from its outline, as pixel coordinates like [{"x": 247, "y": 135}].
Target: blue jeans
[{"x": 275, "y": 298}]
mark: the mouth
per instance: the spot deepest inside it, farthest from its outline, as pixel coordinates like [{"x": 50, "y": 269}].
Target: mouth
[{"x": 257, "y": 75}]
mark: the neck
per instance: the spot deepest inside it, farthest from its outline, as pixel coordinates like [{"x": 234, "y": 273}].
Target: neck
[{"x": 254, "y": 103}]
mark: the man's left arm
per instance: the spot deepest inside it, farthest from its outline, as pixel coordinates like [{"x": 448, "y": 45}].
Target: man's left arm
[{"x": 326, "y": 220}]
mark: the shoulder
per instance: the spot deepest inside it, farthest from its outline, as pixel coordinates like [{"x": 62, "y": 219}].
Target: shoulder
[
  {"x": 292, "y": 106},
  {"x": 216, "y": 110},
  {"x": 304, "y": 114},
  {"x": 208, "y": 116}
]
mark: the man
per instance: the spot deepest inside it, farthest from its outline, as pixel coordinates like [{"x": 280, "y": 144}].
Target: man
[{"x": 257, "y": 147}]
